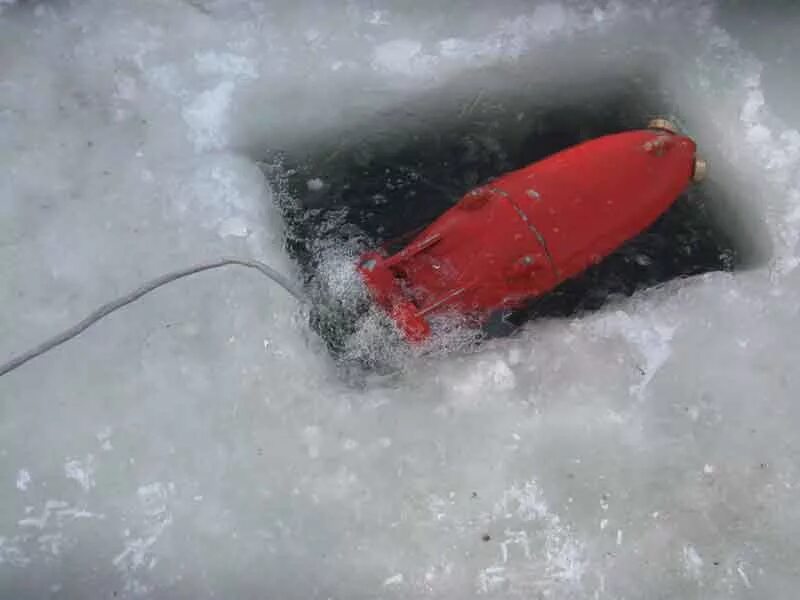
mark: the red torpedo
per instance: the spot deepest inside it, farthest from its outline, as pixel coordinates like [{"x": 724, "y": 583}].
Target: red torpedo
[{"x": 518, "y": 237}]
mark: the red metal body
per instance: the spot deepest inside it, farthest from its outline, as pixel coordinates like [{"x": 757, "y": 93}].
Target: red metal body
[{"x": 523, "y": 234}]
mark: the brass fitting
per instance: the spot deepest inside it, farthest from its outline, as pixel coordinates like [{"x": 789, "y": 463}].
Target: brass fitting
[{"x": 663, "y": 124}]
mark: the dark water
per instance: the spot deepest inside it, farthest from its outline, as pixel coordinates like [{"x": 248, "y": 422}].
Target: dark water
[{"x": 379, "y": 187}]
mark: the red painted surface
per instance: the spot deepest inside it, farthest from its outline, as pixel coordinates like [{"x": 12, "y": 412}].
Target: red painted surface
[{"x": 520, "y": 236}]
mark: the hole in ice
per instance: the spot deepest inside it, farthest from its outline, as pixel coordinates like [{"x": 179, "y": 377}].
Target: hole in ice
[{"x": 356, "y": 188}]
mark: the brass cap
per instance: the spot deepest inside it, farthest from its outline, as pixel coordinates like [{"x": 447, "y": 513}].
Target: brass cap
[
  {"x": 700, "y": 170},
  {"x": 662, "y": 123}
]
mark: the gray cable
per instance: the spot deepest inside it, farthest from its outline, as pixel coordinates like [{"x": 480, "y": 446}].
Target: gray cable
[{"x": 146, "y": 288}]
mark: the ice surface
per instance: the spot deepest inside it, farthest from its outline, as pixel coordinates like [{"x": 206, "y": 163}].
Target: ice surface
[{"x": 202, "y": 442}]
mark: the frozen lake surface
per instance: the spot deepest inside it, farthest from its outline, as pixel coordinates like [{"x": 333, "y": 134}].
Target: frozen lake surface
[{"x": 203, "y": 443}]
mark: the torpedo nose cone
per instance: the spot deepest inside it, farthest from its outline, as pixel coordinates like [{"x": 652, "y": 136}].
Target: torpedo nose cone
[{"x": 592, "y": 198}]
